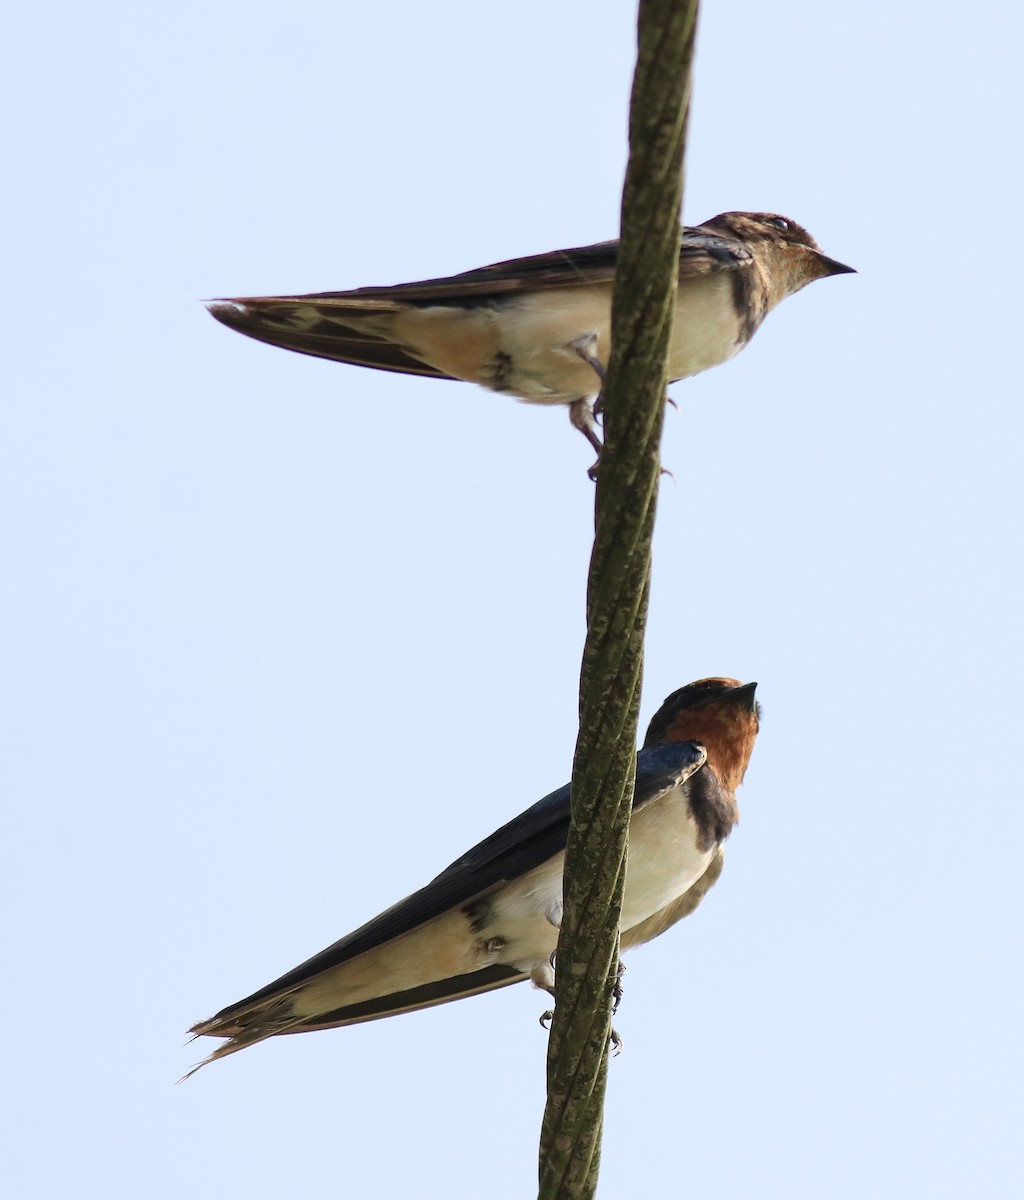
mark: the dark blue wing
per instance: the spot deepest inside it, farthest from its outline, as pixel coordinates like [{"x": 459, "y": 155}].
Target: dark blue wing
[
  {"x": 524, "y": 843},
  {"x": 540, "y": 832}
]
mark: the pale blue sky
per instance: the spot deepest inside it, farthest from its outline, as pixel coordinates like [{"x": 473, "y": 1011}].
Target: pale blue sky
[{"x": 286, "y": 637}]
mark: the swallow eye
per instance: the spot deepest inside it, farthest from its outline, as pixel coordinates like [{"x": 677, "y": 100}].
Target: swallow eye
[{"x": 778, "y": 222}]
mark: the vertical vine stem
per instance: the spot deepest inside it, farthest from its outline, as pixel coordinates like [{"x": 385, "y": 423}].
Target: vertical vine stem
[{"x": 633, "y": 403}]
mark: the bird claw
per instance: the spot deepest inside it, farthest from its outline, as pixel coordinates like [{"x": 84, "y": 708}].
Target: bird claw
[
  {"x": 614, "y": 1037},
  {"x": 617, "y": 989}
]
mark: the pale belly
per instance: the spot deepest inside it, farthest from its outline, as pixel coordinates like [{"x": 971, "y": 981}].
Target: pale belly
[
  {"x": 526, "y": 346},
  {"x": 663, "y": 863}
]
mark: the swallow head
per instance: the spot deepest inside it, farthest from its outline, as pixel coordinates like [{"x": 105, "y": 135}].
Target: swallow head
[
  {"x": 721, "y": 714},
  {"x": 789, "y": 257}
]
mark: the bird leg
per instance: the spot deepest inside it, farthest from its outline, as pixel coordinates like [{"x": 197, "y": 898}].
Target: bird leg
[
  {"x": 614, "y": 1039},
  {"x": 581, "y": 414},
  {"x": 549, "y": 987},
  {"x": 584, "y": 413},
  {"x": 584, "y": 346}
]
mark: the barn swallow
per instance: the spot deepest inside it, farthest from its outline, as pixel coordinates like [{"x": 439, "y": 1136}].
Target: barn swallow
[
  {"x": 492, "y": 917},
  {"x": 539, "y": 327}
]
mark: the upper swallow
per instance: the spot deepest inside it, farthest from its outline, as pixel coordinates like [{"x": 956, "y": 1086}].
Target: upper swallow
[
  {"x": 492, "y": 917},
  {"x": 539, "y": 327}
]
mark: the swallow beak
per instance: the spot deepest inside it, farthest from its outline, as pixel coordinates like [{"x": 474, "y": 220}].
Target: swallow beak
[
  {"x": 829, "y": 266},
  {"x": 744, "y": 694}
]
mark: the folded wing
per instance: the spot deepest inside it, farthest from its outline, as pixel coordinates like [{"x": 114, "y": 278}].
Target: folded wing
[
  {"x": 355, "y": 326},
  {"x": 408, "y": 957}
]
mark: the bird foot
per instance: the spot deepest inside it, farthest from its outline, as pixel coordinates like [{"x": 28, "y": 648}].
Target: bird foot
[
  {"x": 617, "y": 989},
  {"x": 581, "y": 415},
  {"x": 614, "y": 1037}
]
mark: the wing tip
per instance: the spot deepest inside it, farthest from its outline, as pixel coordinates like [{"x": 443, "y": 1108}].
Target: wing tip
[{"x": 229, "y": 312}]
